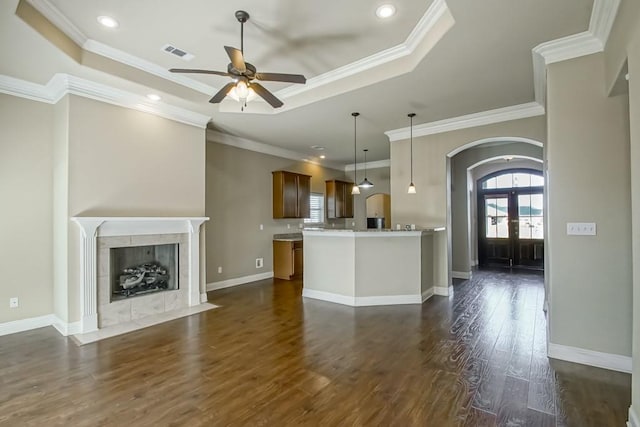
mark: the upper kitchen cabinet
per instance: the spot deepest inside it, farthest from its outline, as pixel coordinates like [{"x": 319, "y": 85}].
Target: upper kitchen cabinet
[
  {"x": 339, "y": 201},
  {"x": 291, "y": 193}
]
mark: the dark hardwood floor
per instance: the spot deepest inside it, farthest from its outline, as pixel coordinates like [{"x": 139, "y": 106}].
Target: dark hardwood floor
[{"x": 267, "y": 357}]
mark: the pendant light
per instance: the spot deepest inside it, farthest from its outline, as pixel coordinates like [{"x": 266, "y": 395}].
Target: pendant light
[
  {"x": 412, "y": 187},
  {"x": 355, "y": 189},
  {"x": 365, "y": 182}
]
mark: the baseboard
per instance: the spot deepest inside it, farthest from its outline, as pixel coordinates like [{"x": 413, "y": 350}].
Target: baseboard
[
  {"x": 328, "y": 296},
  {"x": 64, "y": 328},
  {"x": 466, "y": 275},
  {"x": 443, "y": 291},
  {"x": 474, "y": 262},
  {"x": 427, "y": 294},
  {"x": 22, "y": 325},
  {"x": 598, "y": 359},
  {"x": 365, "y": 301},
  {"x": 388, "y": 300},
  {"x": 203, "y": 298},
  {"x": 634, "y": 419},
  {"x": 238, "y": 281},
  {"x": 40, "y": 322}
]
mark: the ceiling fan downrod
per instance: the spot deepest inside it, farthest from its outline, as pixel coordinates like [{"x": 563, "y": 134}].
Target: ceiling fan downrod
[{"x": 242, "y": 17}]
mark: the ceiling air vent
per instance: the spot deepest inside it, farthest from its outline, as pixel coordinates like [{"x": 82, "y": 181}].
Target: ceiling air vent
[{"x": 184, "y": 55}]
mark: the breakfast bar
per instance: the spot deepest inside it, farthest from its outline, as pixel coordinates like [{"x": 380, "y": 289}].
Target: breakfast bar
[{"x": 372, "y": 267}]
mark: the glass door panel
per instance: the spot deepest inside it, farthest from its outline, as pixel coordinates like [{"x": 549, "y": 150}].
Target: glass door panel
[{"x": 497, "y": 217}]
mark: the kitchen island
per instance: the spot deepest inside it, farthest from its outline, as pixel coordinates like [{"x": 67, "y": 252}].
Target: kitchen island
[{"x": 374, "y": 267}]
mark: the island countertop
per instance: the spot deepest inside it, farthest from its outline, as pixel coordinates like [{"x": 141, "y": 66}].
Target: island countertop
[{"x": 370, "y": 232}]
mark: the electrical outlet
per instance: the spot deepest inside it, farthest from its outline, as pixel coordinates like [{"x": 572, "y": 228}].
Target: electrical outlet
[
  {"x": 261, "y": 227},
  {"x": 219, "y": 270},
  {"x": 288, "y": 226},
  {"x": 13, "y": 302},
  {"x": 259, "y": 262}
]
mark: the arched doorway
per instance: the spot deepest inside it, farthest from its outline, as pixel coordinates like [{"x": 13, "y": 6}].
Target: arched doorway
[
  {"x": 465, "y": 166},
  {"x": 511, "y": 219}
]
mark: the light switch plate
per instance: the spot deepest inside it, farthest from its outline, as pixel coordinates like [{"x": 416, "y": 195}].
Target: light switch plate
[{"x": 581, "y": 228}]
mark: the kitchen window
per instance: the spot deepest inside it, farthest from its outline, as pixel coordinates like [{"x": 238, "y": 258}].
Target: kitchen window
[{"x": 316, "y": 206}]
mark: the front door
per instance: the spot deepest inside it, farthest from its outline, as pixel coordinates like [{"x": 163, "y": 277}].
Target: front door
[{"x": 510, "y": 222}]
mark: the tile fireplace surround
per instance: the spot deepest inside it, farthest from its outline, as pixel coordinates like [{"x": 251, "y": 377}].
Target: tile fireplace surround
[{"x": 100, "y": 317}]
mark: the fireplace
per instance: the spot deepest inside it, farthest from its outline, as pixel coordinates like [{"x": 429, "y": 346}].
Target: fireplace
[
  {"x": 141, "y": 270},
  {"x": 148, "y": 240}
]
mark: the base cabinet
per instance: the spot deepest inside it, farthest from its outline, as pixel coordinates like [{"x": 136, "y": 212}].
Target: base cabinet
[{"x": 287, "y": 259}]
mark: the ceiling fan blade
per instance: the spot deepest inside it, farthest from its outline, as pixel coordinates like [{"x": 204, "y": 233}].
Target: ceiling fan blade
[
  {"x": 266, "y": 95},
  {"x": 279, "y": 77},
  {"x": 237, "y": 59},
  {"x": 218, "y": 97},
  {"x": 192, "y": 71}
]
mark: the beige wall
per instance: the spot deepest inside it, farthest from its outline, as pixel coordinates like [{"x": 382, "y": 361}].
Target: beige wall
[
  {"x": 634, "y": 113},
  {"x": 624, "y": 44},
  {"x": 124, "y": 162},
  {"x": 61, "y": 209},
  {"x": 590, "y": 278},
  {"x": 239, "y": 199},
  {"x": 26, "y": 194}
]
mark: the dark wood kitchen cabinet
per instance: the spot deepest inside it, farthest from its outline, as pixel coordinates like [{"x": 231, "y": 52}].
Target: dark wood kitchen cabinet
[
  {"x": 338, "y": 199},
  {"x": 291, "y": 192}
]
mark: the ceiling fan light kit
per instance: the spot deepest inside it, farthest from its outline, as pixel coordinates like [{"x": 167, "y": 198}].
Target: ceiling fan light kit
[{"x": 243, "y": 88}]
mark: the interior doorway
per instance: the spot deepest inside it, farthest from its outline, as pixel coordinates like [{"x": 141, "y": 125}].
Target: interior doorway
[{"x": 511, "y": 219}]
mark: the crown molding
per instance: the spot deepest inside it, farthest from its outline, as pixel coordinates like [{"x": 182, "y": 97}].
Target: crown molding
[
  {"x": 370, "y": 165},
  {"x": 603, "y": 16},
  {"x": 515, "y": 112},
  {"x": 594, "y": 40},
  {"x": 573, "y": 46},
  {"x": 24, "y": 89},
  {"x": 63, "y": 84},
  {"x": 260, "y": 147}
]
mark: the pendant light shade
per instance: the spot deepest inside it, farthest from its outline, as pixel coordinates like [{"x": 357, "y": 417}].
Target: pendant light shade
[
  {"x": 355, "y": 189},
  {"x": 365, "y": 182},
  {"x": 412, "y": 187}
]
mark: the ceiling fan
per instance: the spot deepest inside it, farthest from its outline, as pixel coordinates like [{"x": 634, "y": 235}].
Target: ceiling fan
[{"x": 244, "y": 74}]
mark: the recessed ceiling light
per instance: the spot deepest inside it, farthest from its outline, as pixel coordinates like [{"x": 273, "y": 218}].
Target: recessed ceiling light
[
  {"x": 154, "y": 97},
  {"x": 317, "y": 147},
  {"x": 322, "y": 156},
  {"x": 386, "y": 11},
  {"x": 108, "y": 21}
]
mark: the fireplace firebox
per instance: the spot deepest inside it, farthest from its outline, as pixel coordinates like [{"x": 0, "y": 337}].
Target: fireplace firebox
[{"x": 141, "y": 270}]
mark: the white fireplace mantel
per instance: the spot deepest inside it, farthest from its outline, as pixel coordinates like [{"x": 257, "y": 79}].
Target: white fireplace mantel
[{"x": 93, "y": 227}]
